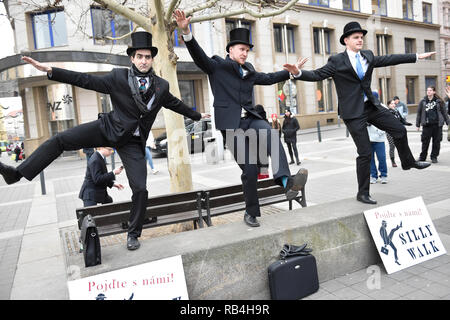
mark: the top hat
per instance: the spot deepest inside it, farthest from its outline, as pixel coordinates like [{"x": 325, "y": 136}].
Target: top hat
[
  {"x": 350, "y": 28},
  {"x": 142, "y": 40},
  {"x": 239, "y": 35}
]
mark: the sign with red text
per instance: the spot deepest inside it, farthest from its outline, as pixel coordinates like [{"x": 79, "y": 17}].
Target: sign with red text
[
  {"x": 157, "y": 280},
  {"x": 404, "y": 234}
]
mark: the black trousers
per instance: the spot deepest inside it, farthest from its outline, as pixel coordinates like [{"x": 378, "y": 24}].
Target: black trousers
[
  {"x": 383, "y": 120},
  {"x": 255, "y": 140},
  {"x": 292, "y": 146},
  {"x": 429, "y": 132},
  {"x": 89, "y": 135}
]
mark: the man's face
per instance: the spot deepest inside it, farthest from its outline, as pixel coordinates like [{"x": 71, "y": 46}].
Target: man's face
[
  {"x": 142, "y": 59},
  {"x": 239, "y": 52},
  {"x": 106, "y": 151},
  {"x": 354, "y": 41}
]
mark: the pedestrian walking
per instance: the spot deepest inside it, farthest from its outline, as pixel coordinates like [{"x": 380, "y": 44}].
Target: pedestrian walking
[
  {"x": 290, "y": 128},
  {"x": 431, "y": 116}
]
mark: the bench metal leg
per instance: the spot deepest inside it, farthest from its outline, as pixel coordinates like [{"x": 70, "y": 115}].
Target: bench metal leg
[
  {"x": 199, "y": 210},
  {"x": 208, "y": 210}
]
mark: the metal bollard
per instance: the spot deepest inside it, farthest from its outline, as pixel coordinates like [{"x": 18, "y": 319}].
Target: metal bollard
[
  {"x": 319, "y": 136},
  {"x": 41, "y": 177}
]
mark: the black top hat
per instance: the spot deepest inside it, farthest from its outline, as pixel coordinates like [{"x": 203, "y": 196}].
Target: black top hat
[
  {"x": 350, "y": 28},
  {"x": 141, "y": 40},
  {"x": 239, "y": 35}
]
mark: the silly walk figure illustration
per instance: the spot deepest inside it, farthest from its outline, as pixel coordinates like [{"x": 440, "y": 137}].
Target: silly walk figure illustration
[{"x": 387, "y": 239}]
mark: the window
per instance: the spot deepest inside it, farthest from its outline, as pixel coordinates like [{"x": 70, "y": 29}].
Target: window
[
  {"x": 379, "y": 7},
  {"x": 430, "y": 82},
  {"x": 187, "y": 92},
  {"x": 408, "y": 10},
  {"x": 106, "y": 23},
  {"x": 411, "y": 83},
  {"x": 280, "y": 38},
  {"x": 321, "y": 40},
  {"x": 178, "y": 37},
  {"x": 429, "y": 47},
  {"x": 426, "y": 8},
  {"x": 233, "y": 24},
  {"x": 323, "y": 3},
  {"x": 383, "y": 43},
  {"x": 410, "y": 45},
  {"x": 49, "y": 29},
  {"x": 287, "y": 96},
  {"x": 324, "y": 96},
  {"x": 352, "y": 5}
]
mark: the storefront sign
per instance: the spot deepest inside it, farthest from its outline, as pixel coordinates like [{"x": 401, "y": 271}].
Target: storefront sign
[
  {"x": 404, "y": 234},
  {"x": 157, "y": 280},
  {"x": 60, "y": 102}
]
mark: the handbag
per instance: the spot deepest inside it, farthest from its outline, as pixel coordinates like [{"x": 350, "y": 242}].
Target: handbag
[
  {"x": 90, "y": 242},
  {"x": 384, "y": 250}
]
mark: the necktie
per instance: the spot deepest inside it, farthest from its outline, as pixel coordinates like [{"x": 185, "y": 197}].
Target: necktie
[
  {"x": 359, "y": 68},
  {"x": 142, "y": 83},
  {"x": 241, "y": 71}
]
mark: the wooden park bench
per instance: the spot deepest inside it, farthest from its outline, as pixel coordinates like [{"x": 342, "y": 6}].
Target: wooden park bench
[
  {"x": 169, "y": 209},
  {"x": 219, "y": 201}
]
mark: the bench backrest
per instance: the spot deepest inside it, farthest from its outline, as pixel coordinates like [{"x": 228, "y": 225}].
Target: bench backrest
[{"x": 156, "y": 206}]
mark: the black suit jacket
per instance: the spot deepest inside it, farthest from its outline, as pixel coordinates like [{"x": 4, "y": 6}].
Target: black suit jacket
[
  {"x": 119, "y": 125},
  {"x": 96, "y": 180},
  {"x": 350, "y": 89},
  {"x": 231, "y": 91}
]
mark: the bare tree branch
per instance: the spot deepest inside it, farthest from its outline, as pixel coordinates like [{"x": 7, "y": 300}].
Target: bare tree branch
[
  {"x": 242, "y": 11},
  {"x": 206, "y": 5},
  {"x": 126, "y": 12},
  {"x": 172, "y": 6}
]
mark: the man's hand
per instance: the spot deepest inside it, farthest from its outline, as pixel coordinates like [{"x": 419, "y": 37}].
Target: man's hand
[
  {"x": 425, "y": 55},
  {"x": 37, "y": 64},
  {"x": 206, "y": 115},
  {"x": 295, "y": 68},
  {"x": 182, "y": 21},
  {"x": 118, "y": 170},
  {"x": 118, "y": 186},
  {"x": 447, "y": 91}
]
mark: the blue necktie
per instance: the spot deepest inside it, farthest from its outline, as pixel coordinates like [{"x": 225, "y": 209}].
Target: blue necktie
[
  {"x": 359, "y": 68},
  {"x": 241, "y": 71}
]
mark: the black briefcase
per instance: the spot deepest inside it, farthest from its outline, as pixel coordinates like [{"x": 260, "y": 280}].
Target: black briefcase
[
  {"x": 90, "y": 242},
  {"x": 294, "y": 276}
]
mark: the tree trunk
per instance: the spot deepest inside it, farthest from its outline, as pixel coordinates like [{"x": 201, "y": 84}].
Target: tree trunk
[{"x": 165, "y": 67}]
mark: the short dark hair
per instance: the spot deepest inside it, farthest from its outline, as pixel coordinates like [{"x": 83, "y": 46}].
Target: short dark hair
[{"x": 395, "y": 98}]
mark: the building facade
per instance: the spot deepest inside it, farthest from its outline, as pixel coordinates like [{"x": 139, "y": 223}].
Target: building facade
[
  {"x": 74, "y": 35},
  {"x": 444, "y": 20}
]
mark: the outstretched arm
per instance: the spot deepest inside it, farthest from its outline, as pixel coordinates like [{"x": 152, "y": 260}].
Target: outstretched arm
[
  {"x": 84, "y": 80},
  {"x": 198, "y": 55},
  {"x": 40, "y": 66}
]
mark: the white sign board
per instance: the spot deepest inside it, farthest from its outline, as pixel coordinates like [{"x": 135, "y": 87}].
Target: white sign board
[
  {"x": 157, "y": 280},
  {"x": 404, "y": 234}
]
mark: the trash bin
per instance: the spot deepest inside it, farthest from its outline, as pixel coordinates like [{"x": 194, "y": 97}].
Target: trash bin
[{"x": 211, "y": 151}]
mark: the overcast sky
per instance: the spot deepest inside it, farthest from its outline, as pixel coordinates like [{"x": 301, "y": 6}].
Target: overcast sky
[{"x": 6, "y": 34}]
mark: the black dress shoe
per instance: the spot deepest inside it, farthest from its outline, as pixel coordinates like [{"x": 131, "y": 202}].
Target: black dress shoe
[
  {"x": 418, "y": 165},
  {"x": 298, "y": 163},
  {"x": 366, "y": 199},
  {"x": 295, "y": 184},
  {"x": 151, "y": 220},
  {"x": 250, "y": 220},
  {"x": 132, "y": 243},
  {"x": 434, "y": 160},
  {"x": 9, "y": 173},
  {"x": 292, "y": 162}
]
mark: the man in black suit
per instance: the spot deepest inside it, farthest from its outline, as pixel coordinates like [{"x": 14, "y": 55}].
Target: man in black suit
[
  {"x": 137, "y": 95},
  {"x": 232, "y": 80},
  {"x": 351, "y": 71},
  {"x": 97, "y": 178}
]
